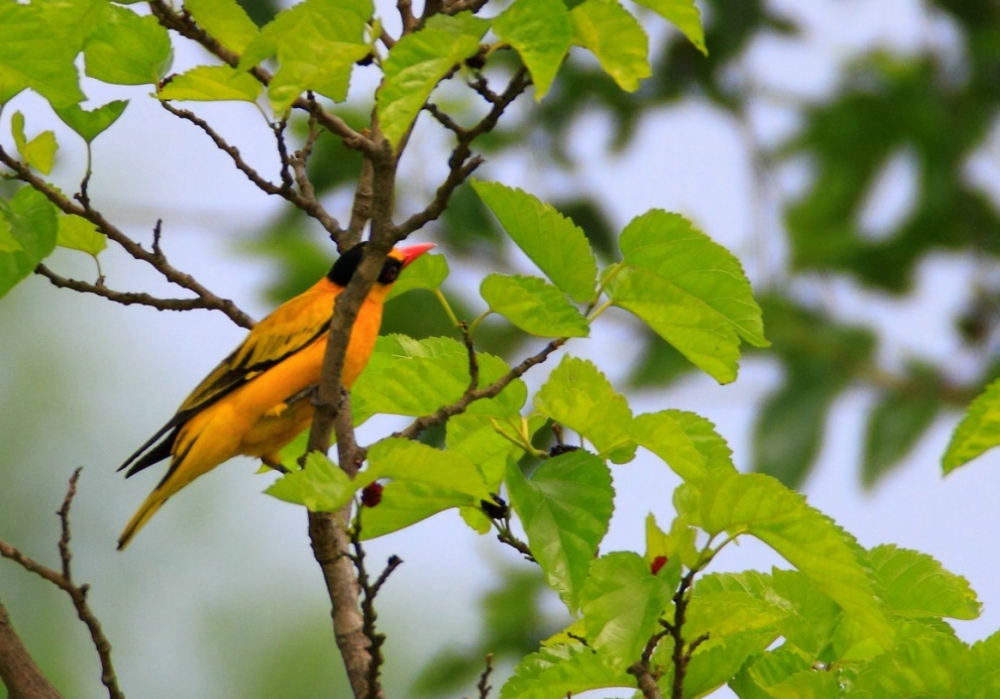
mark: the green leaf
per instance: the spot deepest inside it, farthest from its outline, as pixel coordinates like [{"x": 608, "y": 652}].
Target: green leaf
[
  {"x": 30, "y": 221},
  {"x": 37, "y": 52},
  {"x": 577, "y": 395},
  {"x": 126, "y": 49},
  {"x": 224, "y": 20},
  {"x": 713, "y": 663},
  {"x": 552, "y": 241},
  {"x": 684, "y": 15},
  {"x": 915, "y": 585},
  {"x": 77, "y": 233},
  {"x": 423, "y": 482},
  {"x": 761, "y": 506},
  {"x": 562, "y": 671},
  {"x": 426, "y": 272},
  {"x": 688, "y": 289},
  {"x": 418, "y": 62},
  {"x": 678, "y": 544},
  {"x": 622, "y": 602},
  {"x": 978, "y": 431},
  {"x": 416, "y": 377},
  {"x": 784, "y": 674},
  {"x": 321, "y": 486},
  {"x": 474, "y": 437},
  {"x": 815, "y": 616},
  {"x": 90, "y": 124},
  {"x": 923, "y": 663},
  {"x": 897, "y": 422},
  {"x": 212, "y": 84},
  {"x": 724, "y": 605},
  {"x": 612, "y": 34},
  {"x": 39, "y": 152},
  {"x": 565, "y": 509},
  {"x": 687, "y": 442},
  {"x": 533, "y": 306},
  {"x": 982, "y": 673},
  {"x": 317, "y": 43},
  {"x": 541, "y": 32}
]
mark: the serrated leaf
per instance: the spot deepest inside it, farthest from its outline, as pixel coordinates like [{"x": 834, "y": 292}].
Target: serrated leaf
[
  {"x": 691, "y": 291},
  {"x": 923, "y": 663},
  {"x": 317, "y": 43},
  {"x": 684, "y": 15},
  {"x": 577, "y": 395},
  {"x": 815, "y": 616},
  {"x": 39, "y": 152},
  {"x": 321, "y": 486},
  {"x": 37, "y": 52},
  {"x": 418, "y": 62},
  {"x": 78, "y": 233},
  {"x": 679, "y": 543},
  {"x": 552, "y": 241},
  {"x": 8, "y": 243},
  {"x": 761, "y": 506},
  {"x": 565, "y": 509},
  {"x": 423, "y": 482},
  {"x": 784, "y": 674},
  {"x": 426, "y": 272},
  {"x": 713, "y": 664},
  {"x": 89, "y": 124},
  {"x": 982, "y": 672},
  {"x": 212, "y": 84},
  {"x": 416, "y": 377},
  {"x": 562, "y": 671},
  {"x": 31, "y": 222},
  {"x": 622, "y": 602},
  {"x": 616, "y": 38},
  {"x": 541, "y": 32},
  {"x": 978, "y": 431},
  {"x": 725, "y": 605},
  {"x": 474, "y": 437},
  {"x": 224, "y": 20},
  {"x": 915, "y": 585},
  {"x": 688, "y": 443},
  {"x": 533, "y": 306},
  {"x": 126, "y": 49}
]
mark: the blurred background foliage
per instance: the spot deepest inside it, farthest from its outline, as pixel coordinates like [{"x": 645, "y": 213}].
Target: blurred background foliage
[
  {"x": 931, "y": 108},
  {"x": 922, "y": 114}
]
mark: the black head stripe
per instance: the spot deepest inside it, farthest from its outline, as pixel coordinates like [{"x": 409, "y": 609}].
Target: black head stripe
[{"x": 343, "y": 269}]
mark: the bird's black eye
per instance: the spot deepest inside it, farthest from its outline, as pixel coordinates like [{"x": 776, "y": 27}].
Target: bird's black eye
[{"x": 390, "y": 271}]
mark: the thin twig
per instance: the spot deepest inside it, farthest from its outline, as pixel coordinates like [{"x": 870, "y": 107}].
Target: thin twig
[
  {"x": 155, "y": 259},
  {"x": 126, "y": 298},
  {"x": 462, "y": 163},
  {"x": 484, "y": 678},
  {"x": 306, "y": 201},
  {"x": 77, "y": 593},
  {"x": 416, "y": 427}
]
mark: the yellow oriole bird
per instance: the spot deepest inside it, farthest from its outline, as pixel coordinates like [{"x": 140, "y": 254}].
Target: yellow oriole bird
[{"x": 259, "y": 398}]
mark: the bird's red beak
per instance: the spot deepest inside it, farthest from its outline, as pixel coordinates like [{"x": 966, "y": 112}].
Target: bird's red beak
[{"x": 412, "y": 252}]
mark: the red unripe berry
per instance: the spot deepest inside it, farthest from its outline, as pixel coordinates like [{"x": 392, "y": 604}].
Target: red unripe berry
[
  {"x": 371, "y": 494},
  {"x": 657, "y": 563}
]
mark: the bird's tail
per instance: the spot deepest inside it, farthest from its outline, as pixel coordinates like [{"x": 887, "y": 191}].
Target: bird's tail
[{"x": 147, "y": 510}]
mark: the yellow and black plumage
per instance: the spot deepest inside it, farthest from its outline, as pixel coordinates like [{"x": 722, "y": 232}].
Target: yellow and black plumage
[{"x": 259, "y": 397}]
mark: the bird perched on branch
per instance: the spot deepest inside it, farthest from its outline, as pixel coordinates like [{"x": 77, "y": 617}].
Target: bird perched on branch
[{"x": 260, "y": 397}]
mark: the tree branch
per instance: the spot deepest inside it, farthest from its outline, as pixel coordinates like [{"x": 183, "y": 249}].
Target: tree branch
[
  {"x": 305, "y": 199},
  {"x": 18, "y": 671},
  {"x": 461, "y": 164},
  {"x": 471, "y": 396},
  {"x": 77, "y": 593},
  {"x": 155, "y": 259}
]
